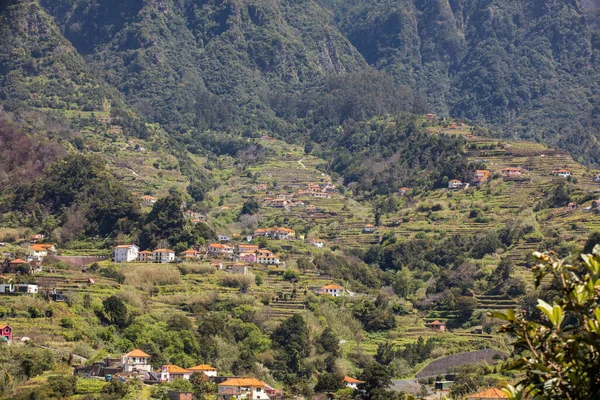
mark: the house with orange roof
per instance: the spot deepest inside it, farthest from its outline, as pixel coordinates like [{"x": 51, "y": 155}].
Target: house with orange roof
[
  {"x": 489, "y": 394},
  {"x": 189, "y": 255},
  {"x": 437, "y": 326},
  {"x": 455, "y": 184},
  {"x": 563, "y": 173},
  {"x": 170, "y": 372},
  {"x": 206, "y": 369},
  {"x": 218, "y": 248},
  {"x": 317, "y": 243},
  {"x": 284, "y": 234},
  {"x": 266, "y": 257},
  {"x": 351, "y": 382},
  {"x": 136, "y": 361},
  {"x": 511, "y": 172},
  {"x": 163, "y": 255},
  {"x": 572, "y": 206},
  {"x": 125, "y": 253},
  {"x": 217, "y": 264},
  {"x": 403, "y": 191},
  {"x": 332, "y": 290},
  {"x": 147, "y": 200},
  {"x": 242, "y": 388},
  {"x": 480, "y": 176},
  {"x": 369, "y": 228},
  {"x": 238, "y": 268},
  {"x": 260, "y": 232},
  {"x": 144, "y": 256},
  {"x": 39, "y": 251}
]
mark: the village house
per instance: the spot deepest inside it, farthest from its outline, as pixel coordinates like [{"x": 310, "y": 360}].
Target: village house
[
  {"x": 403, "y": 191},
  {"x": 572, "y": 206},
  {"x": 163, "y": 255},
  {"x": 310, "y": 208},
  {"x": 189, "y": 255},
  {"x": 317, "y": 243},
  {"x": 266, "y": 257},
  {"x": 351, "y": 382},
  {"x": 16, "y": 263},
  {"x": 125, "y": 253},
  {"x": 480, "y": 176},
  {"x": 6, "y": 333},
  {"x": 563, "y": 173},
  {"x": 369, "y": 228},
  {"x": 249, "y": 257},
  {"x": 148, "y": 200},
  {"x": 238, "y": 268},
  {"x": 136, "y": 361},
  {"x": 284, "y": 234},
  {"x": 224, "y": 238},
  {"x": 217, "y": 264},
  {"x": 321, "y": 195},
  {"x": 454, "y": 184},
  {"x": 597, "y": 178},
  {"x": 40, "y": 251},
  {"x": 247, "y": 248},
  {"x": 278, "y": 203},
  {"x": 261, "y": 187},
  {"x": 511, "y": 172},
  {"x": 19, "y": 288},
  {"x": 144, "y": 256},
  {"x": 218, "y": 248},
  {"x": 437, "y": 326},
  {"x": 171, "y": 372},
  {"x": 206, "y": 369},
  {"x": 242, "y": 388},
  {"x": 489, "y": 394},
  {"x": 332, "y": 290},
  {"x": 329, "y": 188},
  {"x": 260, "y": 232},
  {"x": 37, "y": 237}
]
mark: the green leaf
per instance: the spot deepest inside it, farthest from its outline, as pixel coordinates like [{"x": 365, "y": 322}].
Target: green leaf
[{"x": 554, "y": 313}]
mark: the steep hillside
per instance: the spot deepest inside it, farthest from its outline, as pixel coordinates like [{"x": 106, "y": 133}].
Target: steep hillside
[{"x": 40, "y": 68}]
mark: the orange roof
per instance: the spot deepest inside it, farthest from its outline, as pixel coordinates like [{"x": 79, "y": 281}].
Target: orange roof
[
  {"x": 147, "y": 198},
  {"x": 189, "y": 251},
  {"x": 18, "y": 261},
  {"x": 2, "y": 326},
  {"x": 561, "y": 170},
  {"x": 436, "y": 323},
  {"x": 318, "y": 240},
  {"x": 333, "y": 286},
  {"x": 203, "y": 367},
  {"x": 369, "y": 226},
  {"x": 137, "y": 353},
  {"x": 41, "y": 246},
  {"x": 454, "y": 180},
  {"x": 123, "y": 246},
  {"x": 404, "y": 188},
  {"x": 145, "y": 252},
  {"x": 163, "y": 251},
  {"x": 349, "y": 379},
  {"x": 175, "y": 369},
  {"x": 493, "y": 393},
  {"x": 245, "y": 382}
]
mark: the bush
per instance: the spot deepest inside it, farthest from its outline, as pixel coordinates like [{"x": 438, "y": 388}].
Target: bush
[
  {"x": 34, "y": 312},
  {"x": 66, "y": 323},
  {"x": 291, "y": 275}
]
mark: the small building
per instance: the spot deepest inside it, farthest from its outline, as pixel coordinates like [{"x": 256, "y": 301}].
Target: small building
[
  {"x": 332, "y": 290},
  {"x": 148, "y": 200},
  {"x": 572, "y": 206},
  {"x": 261, "y": 187},
  {"x": 224, "y": 238},
  {"x": 247, "y": 248},
  {"x": 206, "y": 369},
  {"x": 270, "y": 259},
  {"x": 489, "y": 394},
  {"x": 511, "y": 172},
  {"x": 218, "y": 248},
  {"x": 163, "y": 255},
  {"x": 443, "y": 385},
  {"x": 317, "y": 243},
  {"x": 242, "y": 388},
  {"x": 247, "y": 257},
  {"x": 597, "y": 179},
  {"x": 369, "y": 228},
  {"x": 437, "y": 326},
  {"x": 284, "y": 234},
  {"x": 144, "y": 256},
  {"x": 351, "y": 382},
  {"x": 239, "y": 269},
  {"x": 189, "y": 255},
  {"x": 481, "y": 176},
  {"x": 17, "y": 262},
  {"x": 260, "y": 232},
  {"x": 478, "y": 330},
  {"x": 136, "y": 361},
  {"x": 6, "y": 333},
  {"x": 563, "y": 173},
  {"x": 217, "y": 264},
  {"x": 171, "y": 372},
  {"x": 455, "y": 184},
  {"x": 403, "y": 191},
  {"x": 125, "y": 253},
  {"x": 37, "y": 237}
]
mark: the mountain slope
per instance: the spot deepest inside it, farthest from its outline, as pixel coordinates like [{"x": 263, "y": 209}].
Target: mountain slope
[{"x": 39, "y": 67}]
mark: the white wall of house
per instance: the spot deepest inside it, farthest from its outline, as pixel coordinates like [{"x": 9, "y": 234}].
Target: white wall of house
[{"x": 125, "y": 254}]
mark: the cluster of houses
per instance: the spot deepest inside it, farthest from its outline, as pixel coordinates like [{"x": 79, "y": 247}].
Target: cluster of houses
[
  {"x": 594, "y": 207},
  {"x": 136, "y": 364},
  {"x": 282, "y": 200}
]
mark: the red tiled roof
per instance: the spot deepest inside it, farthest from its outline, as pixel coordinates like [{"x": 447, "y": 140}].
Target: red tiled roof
[{"x": 493, "y": 393}]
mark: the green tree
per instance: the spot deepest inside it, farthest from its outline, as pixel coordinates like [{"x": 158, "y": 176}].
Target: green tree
[
  {"x": 377, "y": 379},
  {"x": 116, "y": 311},
  {"x": 559, "y": 350},
  {"x": 329, "y": 382},
  {"x": 292, "y": 337},
  {"x": 329, "y": 342},
  {"x": 250, "y": 207}
]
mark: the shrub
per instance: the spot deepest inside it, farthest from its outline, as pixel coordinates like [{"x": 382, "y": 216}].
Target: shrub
[
  {"x": 291, "y": 275},
  {"x": 34, "y": 312},
  {"x": 66, "y": 323}
]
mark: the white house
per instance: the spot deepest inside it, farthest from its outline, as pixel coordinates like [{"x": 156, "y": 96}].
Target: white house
[
  {"x": 242, "y": 388},
  {"x": 597, "y": 178},
  {"x": 351, "y": 382},
  {"x": 40, "y": 251},
  {"x": 563, "y": 173},
  {"x": 268, "y": 259},
  {"x": 369, "y": 228},
  {"x": 169, "y": 373},
  {"x": 333, "y": 290},
  {"x": 454, "y": 184},
  {"x": 125, "y": 253},
  {"x": 19, "y": 288},
  {"x": 239, "y": 269},
  {"x": 148, "y": 200},
  {"x": 318, "y": 243},
  {"x": 163, "y": 255},
  {"x": 206, "y": 369},
  {"x": 136, "y": 360},
  {"x": 224, "y": 238}
]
